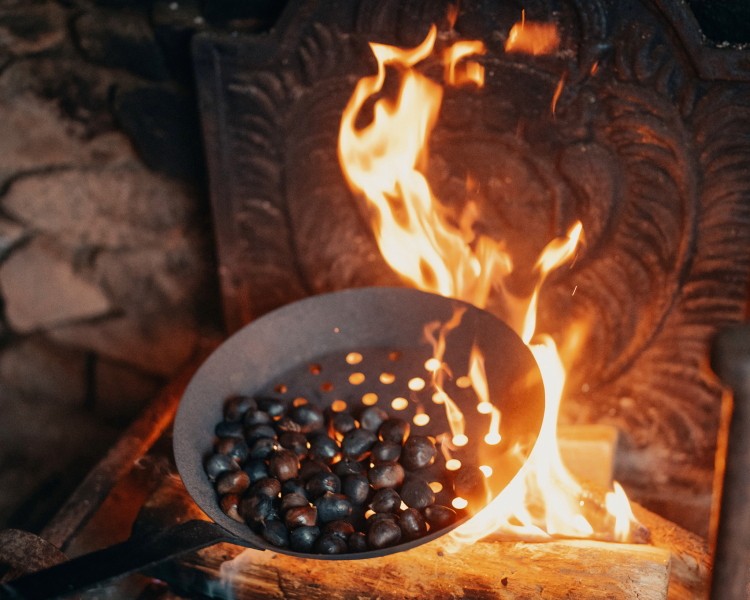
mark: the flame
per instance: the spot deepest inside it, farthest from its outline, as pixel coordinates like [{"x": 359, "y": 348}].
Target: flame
[
  {"x": 543, "y": 499},
  {"x": 478, "y": 379},
  {"x": 436, "y": 333},
  {"x": 531, "y": 37},
  {"x": 384, "y": 162},
  {"x": 554, "y": 254},
  {"x": 618, "y": 505},
  {"x": 452, "y": 15},
  {"x": 473, "y": 72},
  {"x": 435, "y": 250},
  {"x": 557, "y": 93}
]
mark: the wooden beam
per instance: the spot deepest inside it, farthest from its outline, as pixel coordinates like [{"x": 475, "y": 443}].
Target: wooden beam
[
  {"x": 133, "y": 444},
  {"x": 588, "y": 451},
  {"x": 690, "y": 558},
  {"x": 674, "y": 566},
  {"x": 564, "y": 569}
]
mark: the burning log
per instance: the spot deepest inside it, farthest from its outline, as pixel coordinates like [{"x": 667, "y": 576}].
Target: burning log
[
  {"x": 675, "y": 565},
  {"x": 482, "y": 570},
  {"x": 588, "y": 452}
]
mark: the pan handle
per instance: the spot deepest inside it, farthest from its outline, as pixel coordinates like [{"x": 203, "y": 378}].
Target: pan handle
[{"x": 134, "y": 554}]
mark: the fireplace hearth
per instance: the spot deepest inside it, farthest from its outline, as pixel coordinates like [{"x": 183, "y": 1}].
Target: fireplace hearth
[
  {"x": 135, "y": 491},
  {"x": 646, "y": 145},
  {"x": 636, "y": 125}
]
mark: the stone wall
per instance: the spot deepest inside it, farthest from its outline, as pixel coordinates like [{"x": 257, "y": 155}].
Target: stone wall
[{"x": 107, "y": 276}]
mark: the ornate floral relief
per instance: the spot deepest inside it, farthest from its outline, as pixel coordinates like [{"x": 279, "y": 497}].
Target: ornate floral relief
[{"x": 651, "y": 158}]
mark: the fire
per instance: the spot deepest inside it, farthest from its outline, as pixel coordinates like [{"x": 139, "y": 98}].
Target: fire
[
  {"x": 530, "y": 37},
  {"x": 478, "y": 381},
  {"x": 473, "y": 72},
  {"x": 435, "y": 333},
  {"x": 557, "y": 93},
  {"x": 557, "y": 252},
  {"x": 384, "y": 163}
]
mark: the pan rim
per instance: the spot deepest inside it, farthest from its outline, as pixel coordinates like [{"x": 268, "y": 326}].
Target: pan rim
[{"x": 356, "y": 301}]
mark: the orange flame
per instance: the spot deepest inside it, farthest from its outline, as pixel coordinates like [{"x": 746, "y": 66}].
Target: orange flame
[
  {"x": 473, "y": 72},
  {"x": 452, "y": 15},
  {"x": 478, "y": 379},
  {"x": 384, "y": 162},
  {"x": 531, "y": 37},
  {"x": 554, "y": 254},
  {"x": 557, "y": 93},
  {"x": 435, "y": 333}
]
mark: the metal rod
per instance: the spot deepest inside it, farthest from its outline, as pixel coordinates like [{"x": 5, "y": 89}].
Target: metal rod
[
  {"x": 135, "y": 554},
  {"x": 731, "y": 571},
  {"x": 134, "y": 443}
]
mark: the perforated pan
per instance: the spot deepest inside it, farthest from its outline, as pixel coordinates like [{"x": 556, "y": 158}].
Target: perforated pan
[
  {"x": 354, "y": 348},
  {"x": 367, "y": 347}
]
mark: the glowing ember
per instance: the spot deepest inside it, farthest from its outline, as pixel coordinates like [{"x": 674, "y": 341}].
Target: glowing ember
[
  {"x": 459, "y": 502},
  {"x": 354, "y": 358},
  {"x": 557, "y": 94},
  {"x": 421, "y": 419},
  {"x": 385, "y": 162},
  {"x": 399, "y": 403},
  {"x": 493, "y": 439},
  {"x": 338, "y": 406},
  {"x": 460, "y": 440},
  {"x": 416, "y": 384},
  {"x": 484, "y": 408},
  {"x": 356, "y": 378},
  {"x": 530, "y": 37}
]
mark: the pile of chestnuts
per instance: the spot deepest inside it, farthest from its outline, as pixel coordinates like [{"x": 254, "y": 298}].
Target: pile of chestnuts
[{"x": 326, "y": 482}]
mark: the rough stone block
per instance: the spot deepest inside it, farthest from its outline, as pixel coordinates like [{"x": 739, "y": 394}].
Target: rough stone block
[
  {"x": 79, "y": 90},
  {"x": 10, "y": 234},
  {"x": 136, "y": 235},
  {"x": 158, "y": 345},
  {"x": 32, "y": 28},
  {"x": 41, "y": 289},
  {"x": 120, "y": 39},
  {"x": 121, "y": 392},
  {"x": 118, "y": 208},
  {"x": 163, "y": 123},
  {"x": 42, "y": 372},
  {"x": 155, "y": 280},
  {"x": 33, "y": 138}
]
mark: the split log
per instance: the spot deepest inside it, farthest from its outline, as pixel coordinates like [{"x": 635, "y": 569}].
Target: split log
[
  {"x": 690, "y": 558},
  {"x": 504, "y": 570},
  {"x": 674, "y": 567},
  {"x": 588, "y": 451}
]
